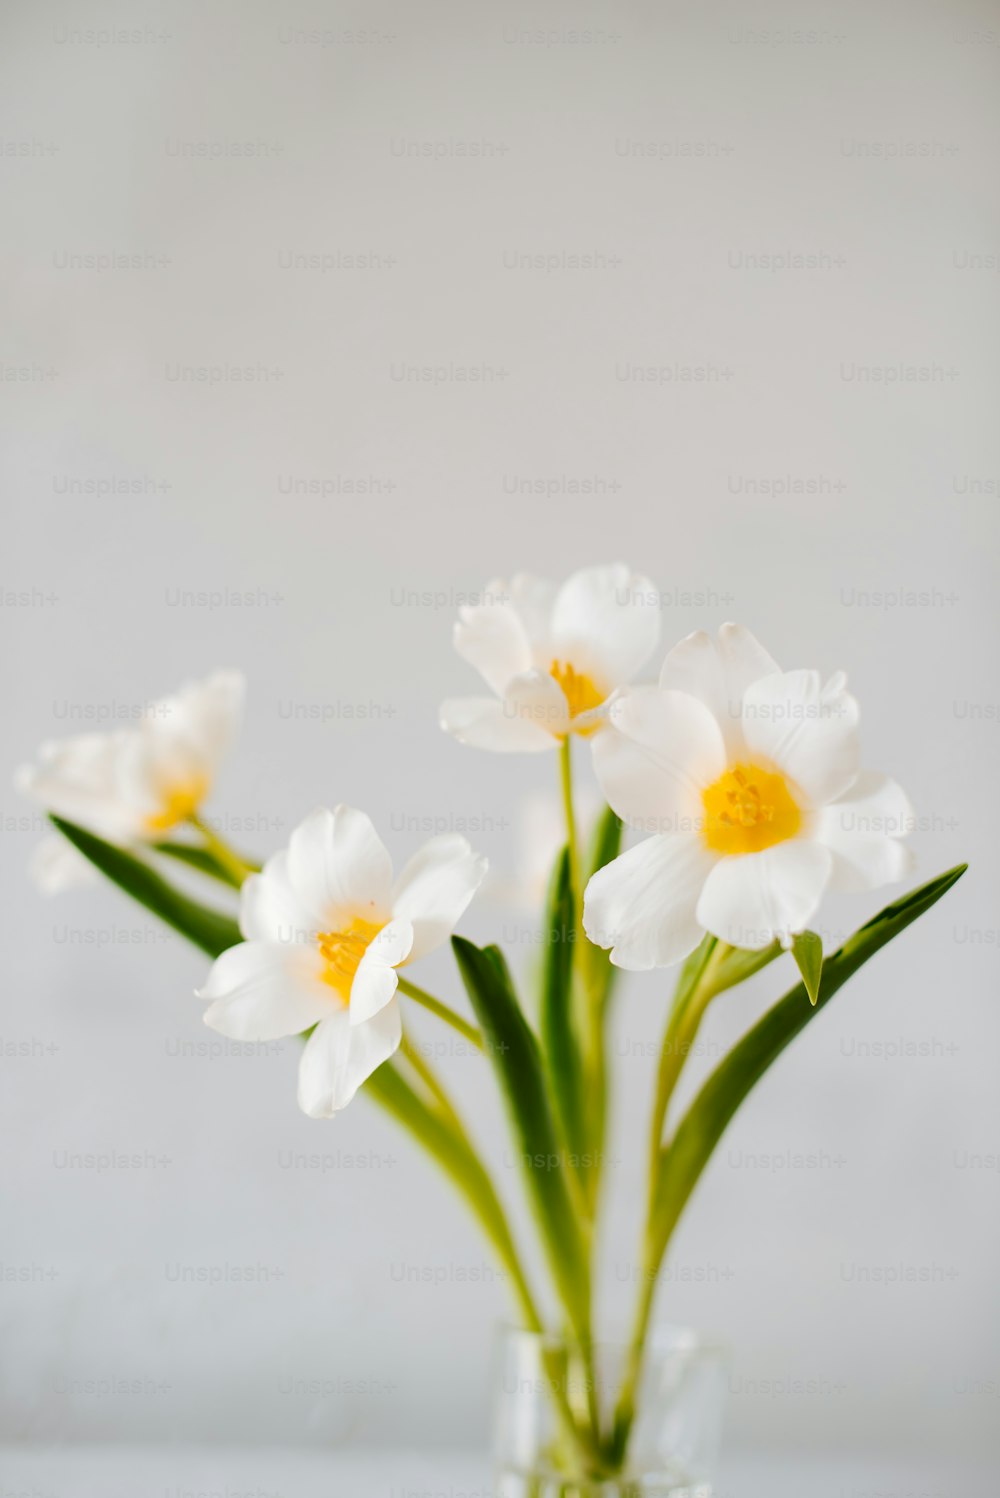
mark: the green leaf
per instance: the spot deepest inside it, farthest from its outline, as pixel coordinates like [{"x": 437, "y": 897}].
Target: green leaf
[
  {"x": 516, "y": 1058},
  {"x": 560, "y": 1043},
  {"x": 807, "y": 949},
  {"x": 200, "y": 859},
  {"x": 685, "y": 1157},
  {"x": 210, "y": 930}
]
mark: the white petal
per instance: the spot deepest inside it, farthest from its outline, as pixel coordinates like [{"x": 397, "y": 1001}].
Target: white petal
[
  {"x": 340, "y": 868},
  {"x": 606, "y": 623},
  {"x": 56, "y": 865},
  {"x": 270, "y": 910},
  {"x": 536, "y": 698},
  {"x": 435, "y": 888},
  {"x": 718, "y": 672},
  {"x": 750, "y": 899},
  {"x": 662, "y": 750},
  {"x": 375, "y": 981},
  {"x": 204, "y": 714},
  {"x": 533, "y": 598},
  {"x": 81, "y": 779},
  {"x": 491, "y": 637},
  {"x": 810, "y": 734},
  {"x": 642, "y": 904},
  {"x": 262, "y": 991},
  {"x": 340, "y": 1056},
  {"x": 862, "y": 831},
  {"x": 482, "y": 723}
]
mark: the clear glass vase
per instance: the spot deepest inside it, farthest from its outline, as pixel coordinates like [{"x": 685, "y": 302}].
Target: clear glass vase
[{"x": 552, "y": 1398}]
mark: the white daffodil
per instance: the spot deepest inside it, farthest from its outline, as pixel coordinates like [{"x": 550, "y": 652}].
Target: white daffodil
[
  {"x": 135, "y": 784},
  {"x": 552, "y": 655},
  {"x": 325, "y": 931},
  {"x": 750, "y": 778}
]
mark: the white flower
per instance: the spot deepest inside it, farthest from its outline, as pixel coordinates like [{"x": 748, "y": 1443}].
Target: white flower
[
  {"x": 134, "y": 784},
  {"x": 325, "y": 930},
  {"x": 552, "y": 655},
  {"x": 750, "y": 778}
]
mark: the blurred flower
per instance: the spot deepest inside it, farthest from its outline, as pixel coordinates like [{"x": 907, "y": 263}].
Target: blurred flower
[
  {"x": 749, "y": 777},
  {"x": 135, "y": 784},
  {"x": 325, "y": 930},
  {"x": 553, "y": 656}
]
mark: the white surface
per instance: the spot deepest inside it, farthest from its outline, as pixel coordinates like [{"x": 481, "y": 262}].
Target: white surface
[
  {"x": 135, "y": 1472},
  {"x": 368, "y": 1309}
]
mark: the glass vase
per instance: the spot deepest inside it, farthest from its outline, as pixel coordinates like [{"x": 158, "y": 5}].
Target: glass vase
[{"x": 559, "y": 1431}]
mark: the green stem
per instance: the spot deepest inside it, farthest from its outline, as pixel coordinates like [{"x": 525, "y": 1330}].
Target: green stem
[
  {"x": 594, "y": 1055},
  {"x": 432, "y": 1082},
  {"x": 694, "y": 991},
  {"x": 593, "y": 1009},
  {"x": 450, "y": 1147},
  {"x": 221, "y": 851},
  {"x": 435, "y": 1006},
  {"x": 699, "y": 983}
]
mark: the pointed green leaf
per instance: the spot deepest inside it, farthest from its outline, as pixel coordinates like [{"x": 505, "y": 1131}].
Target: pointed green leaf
[
  {"x": 807, "y": 949},
  {"x": 560, "y": 1044},
  {"x": 210, "y": 930},
  {"x": 200, "y": 859},
  {"x": 685, "y": 1157},
  {"x": 516, "y": 1058}
]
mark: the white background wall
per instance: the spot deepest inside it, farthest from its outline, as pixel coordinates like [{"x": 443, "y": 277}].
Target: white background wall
[{"x": 673, "y": 145}]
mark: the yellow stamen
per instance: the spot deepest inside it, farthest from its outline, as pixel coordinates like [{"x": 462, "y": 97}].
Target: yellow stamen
[
  {"x": 581, "y": 691},
  {"x": 749, "y": 808},
  {"x": 178, "y": 802},
  {"x": 343, "y": 951}
]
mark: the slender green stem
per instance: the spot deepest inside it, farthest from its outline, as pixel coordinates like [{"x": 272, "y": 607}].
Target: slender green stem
[
  {"x": 566, "y": 779},
  {"x": 435, "y": 1006},
  {"x": 591, "y": 1000},
  {"x": 451, "y": 1148},
  {"x": 221, "y": 851},
  {"x": 411, "y": 1050},
  {"x": 699, "y": 984},
  {"x": 693, "y": 994}
]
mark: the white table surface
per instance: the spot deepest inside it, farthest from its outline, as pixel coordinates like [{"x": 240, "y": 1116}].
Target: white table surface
[{"x": 245, "y": 1472}]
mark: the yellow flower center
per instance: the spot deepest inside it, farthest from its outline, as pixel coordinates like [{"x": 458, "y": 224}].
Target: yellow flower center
[
  {"x": 177, "y": 803},
  {"x": 747, "y": 809},
  {"x": 343, "y": 950},
  {"x": 581, "y": 691}
]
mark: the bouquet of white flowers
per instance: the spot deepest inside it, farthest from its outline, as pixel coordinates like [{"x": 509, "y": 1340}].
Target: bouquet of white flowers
[{"x": 744, "y": 786}]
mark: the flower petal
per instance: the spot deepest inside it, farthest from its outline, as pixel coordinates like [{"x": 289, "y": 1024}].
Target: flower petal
[
  {"x": 606, "y": 622},
  {"x": 718, "y": 672},
  {"x": 751, "y": 899},
  {"x": 435, "y": 888},
  {"x": 533, "y": 598},
  {"x": 375, "y": 981},
  {"x": 491, "y": 637},
  {"x": 205, "y": 715},
  {"x": 270, "y": 910},
  {"x": 56, "y": 865},
  {"x": 483, "y": 723},
  {"x": 862, "y": 829},
  {"x": 262, "y": 991},
  {"x": 340, "y": 1056},
  {"x": 536, "y": 697},
  {"x": 80, "y": 778},
  {"x": 809, "y": 733},
  {"x": 339, "y": 868},
  {"x": 642, "y": 904},
  {"x": 663, "y": 748}
]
